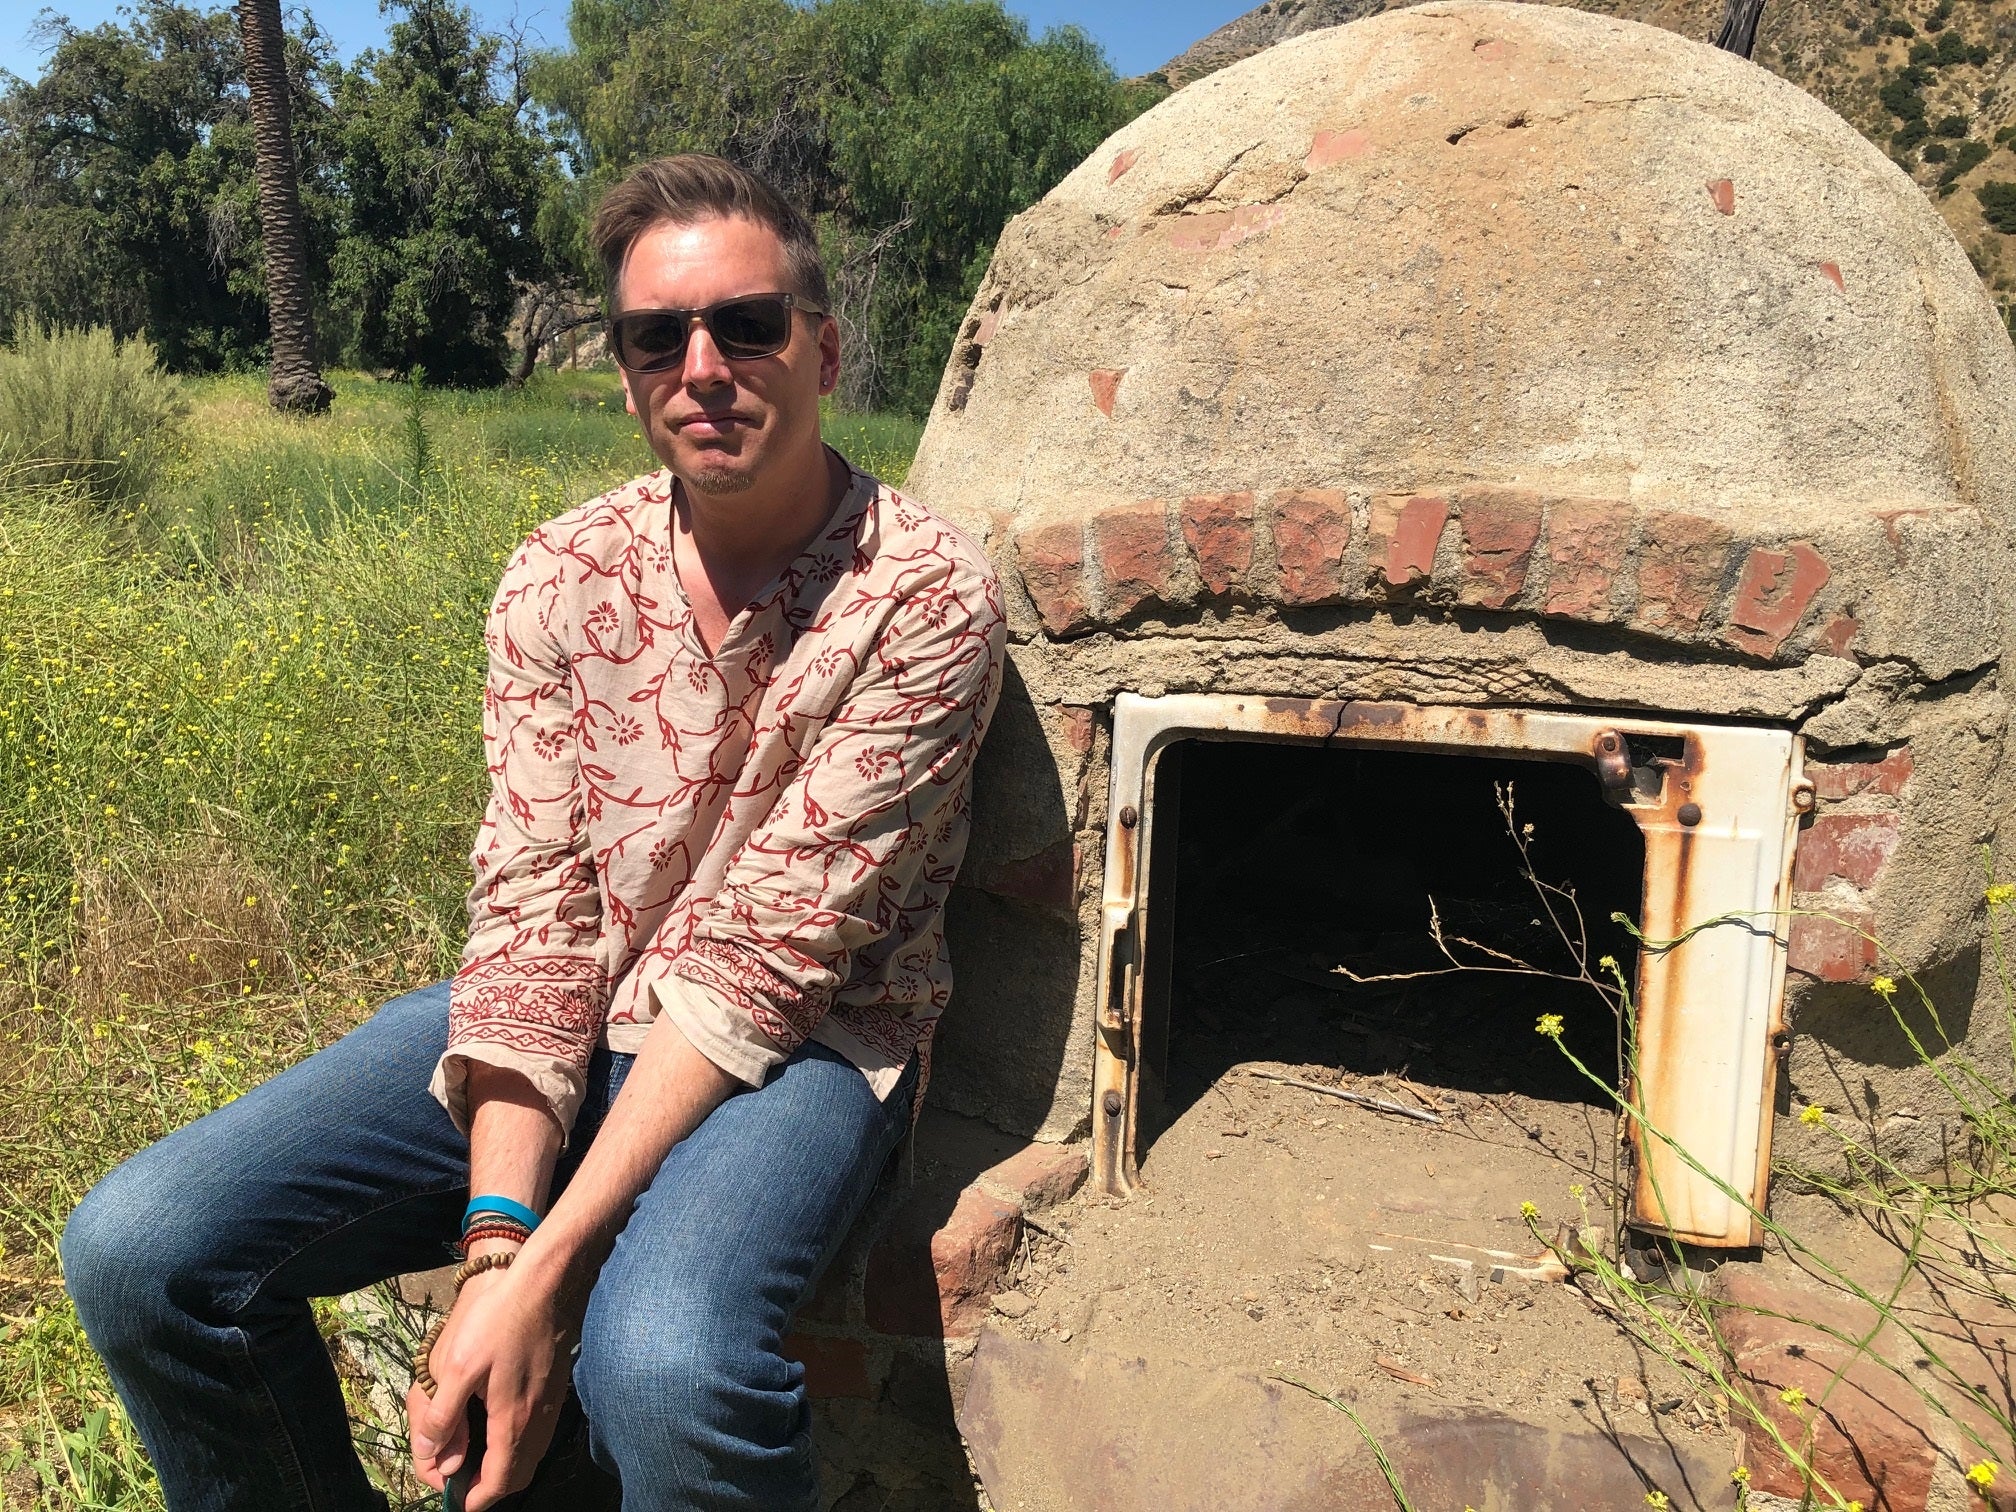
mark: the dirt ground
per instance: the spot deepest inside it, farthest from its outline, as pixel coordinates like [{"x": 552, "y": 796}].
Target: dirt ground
[{"x": 1286, "y": 1232}]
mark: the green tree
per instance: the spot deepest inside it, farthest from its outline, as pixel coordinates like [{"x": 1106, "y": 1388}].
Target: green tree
[
  {"x": 946, "y": 120},
  {"x": 442, "y": 176},
  {"x": 913, "y": 129},
  {"x": 126, "y": 192}
]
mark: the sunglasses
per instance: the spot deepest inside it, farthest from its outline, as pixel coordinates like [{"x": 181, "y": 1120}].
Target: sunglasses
[{"x": 748, "y": 326}]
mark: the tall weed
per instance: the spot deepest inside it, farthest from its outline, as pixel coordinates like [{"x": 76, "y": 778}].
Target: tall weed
[{"x": 85, "y": 409}]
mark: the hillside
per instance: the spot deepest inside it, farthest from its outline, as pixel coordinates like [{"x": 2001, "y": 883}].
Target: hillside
[{"x": 1933, "y": 82}]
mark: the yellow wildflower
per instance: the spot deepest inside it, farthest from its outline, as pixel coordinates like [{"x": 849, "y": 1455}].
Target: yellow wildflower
[
  {"x": 1740, "y": 1475},
  {"x": 1576, "y": 1191},
  {"x": 1528, "y": 1210},
  {"x": 1792, "y": 1396},
  {"x": 1812, "y": 1115},
  {"x": 2001, "y": 893},
  {"x": 1549, "y": 1024},
  {"x": 1608, "y": 962},
  {"x": 1981, "y": 1474},
  {"x": 202, "y": 1049},
  {"x": 1883, "y": 986},
  {"x": 1657, "y": 1499}
]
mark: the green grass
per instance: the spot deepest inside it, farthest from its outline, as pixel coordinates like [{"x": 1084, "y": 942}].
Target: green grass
[{"x": 240, "y": 770}]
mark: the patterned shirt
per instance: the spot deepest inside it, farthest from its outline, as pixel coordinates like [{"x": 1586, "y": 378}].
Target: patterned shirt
[{"x": 758, "y": 842}]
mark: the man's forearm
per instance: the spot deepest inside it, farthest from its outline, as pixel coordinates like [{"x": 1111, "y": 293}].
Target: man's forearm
[
  {"x": 670, "y": 1090},
  {"x": 513, "y": 1140}
]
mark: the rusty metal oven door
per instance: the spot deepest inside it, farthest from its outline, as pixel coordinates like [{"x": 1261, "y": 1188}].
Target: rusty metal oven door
[{"x": 1719, "y": 821}]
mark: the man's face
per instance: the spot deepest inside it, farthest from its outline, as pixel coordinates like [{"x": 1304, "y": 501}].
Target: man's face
[{"x": 719, "y": 423}]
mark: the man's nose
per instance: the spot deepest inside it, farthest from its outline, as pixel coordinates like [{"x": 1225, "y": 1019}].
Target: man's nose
[{"x": 705, "y": 368}]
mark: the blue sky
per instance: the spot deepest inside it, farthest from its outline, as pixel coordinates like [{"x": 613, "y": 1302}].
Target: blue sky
[{"x": 1137, "y": 34}]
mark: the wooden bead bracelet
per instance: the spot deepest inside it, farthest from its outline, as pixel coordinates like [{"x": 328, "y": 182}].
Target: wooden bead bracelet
[{"x": 467, "y": 1271}]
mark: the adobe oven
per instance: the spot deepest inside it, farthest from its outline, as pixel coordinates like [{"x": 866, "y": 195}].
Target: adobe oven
[{"x": 1493, "y": 383}]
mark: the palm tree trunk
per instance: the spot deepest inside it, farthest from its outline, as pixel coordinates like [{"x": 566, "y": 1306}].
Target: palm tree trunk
[
  {"x": 294, "y": 383},
  {"x": 1738, "y": 33}
]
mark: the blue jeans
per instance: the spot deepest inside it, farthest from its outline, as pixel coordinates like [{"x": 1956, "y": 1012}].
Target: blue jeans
[{"x": 192, "y": 1265}]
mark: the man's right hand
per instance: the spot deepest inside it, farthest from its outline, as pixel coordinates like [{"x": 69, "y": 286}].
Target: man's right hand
[{"x": 506, "y": 1348}]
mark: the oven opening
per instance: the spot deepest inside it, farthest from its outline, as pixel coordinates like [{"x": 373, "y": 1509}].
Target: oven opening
[{"x": 1273, "y": 865}]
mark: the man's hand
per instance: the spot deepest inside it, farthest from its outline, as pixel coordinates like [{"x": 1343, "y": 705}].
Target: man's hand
[{"x": 507, "y": 1345}]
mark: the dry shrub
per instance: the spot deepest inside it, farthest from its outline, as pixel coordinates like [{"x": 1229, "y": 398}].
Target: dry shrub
[
  {"x": 85, "y": 409},
  {"x": 188, "y": 921}
]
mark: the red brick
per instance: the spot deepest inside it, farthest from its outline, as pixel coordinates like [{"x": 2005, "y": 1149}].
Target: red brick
[
  {"x": 1500, "y": 528},
  {"x": 1404, "y": 531},
  {"x": 1836, "y": 949},
  {"x": 1106, "y": 388},
  {"x": 1218, "y": 230},
  {"x": 1219, "y": 530},
  {"x": 1040, "y": 1176},
  {"x": 1588, "y": 540},
  {"x": 1337, "y": 147},
  {"x": 1079, "y": 727},
  {"x": 1840, "y": 634},
  {"x": 1049, "y": 877},
  {"x": 1131, "y": 542},
  {"x": 1122, "y": 161},
  {"x": 1853, "y": 847},
  {"x": 1849, "y": 779},
  {"x": 929, "y": 1281},
  {"x": 1776, "y": 588},
  {"x": 1723, "y": 193},
  {"x": 1681, "y": 560},
  {"x": 1051, "y": 560},
  {"x": 833, "y": 1367},
  {"x": 1312, "y": 529},
  {"x": 1869, "y": 1430}
]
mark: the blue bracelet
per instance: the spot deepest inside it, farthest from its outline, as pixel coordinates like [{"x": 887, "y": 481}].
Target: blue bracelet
[{"x": 503, "y": 1207}]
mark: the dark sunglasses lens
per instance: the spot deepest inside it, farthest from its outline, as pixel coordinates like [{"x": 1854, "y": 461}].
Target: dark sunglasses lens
[
  {"x": 647, "y": 342},
  {"x": 750, "y": 327}
]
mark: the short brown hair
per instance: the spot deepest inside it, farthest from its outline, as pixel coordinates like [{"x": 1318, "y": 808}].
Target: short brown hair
[{"x": 695, "y": 186}]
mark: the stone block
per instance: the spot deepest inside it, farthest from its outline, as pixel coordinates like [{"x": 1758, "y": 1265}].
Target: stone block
[
  {"x": 1681, "y": 562},
  {"x": 1869, "y": 1432},
  {"x": 1040, "y": 1176},
  {"x": 1051, "y": 561},
  {"x": 1851, "y": 779},
  {"x": 1588, "y": 543},
  {"x": 1500, "y": 526},
  {"x": 834, "y": 1367},
  {"x": 1833, "y": 949},
  {"x": 1136, "y": 565},
  {"x": 1049, "y": 877},
  {"x": 1219, "y": 531},
  {"x": 931, "y": 1278},
  {"x": 1852, "y": 847},
  {"x": 1312, "y": 531},
  {"x": 1773, "y": 595},
  {"x": 1404, "y": 531}
]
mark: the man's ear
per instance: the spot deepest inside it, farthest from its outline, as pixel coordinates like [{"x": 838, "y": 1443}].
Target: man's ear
[
  {"x": 629, "y": 395},
  {"x": 829, "y": 355}
]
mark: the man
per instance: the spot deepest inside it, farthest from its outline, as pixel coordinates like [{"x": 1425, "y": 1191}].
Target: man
[{"x": 731, "y": 716}]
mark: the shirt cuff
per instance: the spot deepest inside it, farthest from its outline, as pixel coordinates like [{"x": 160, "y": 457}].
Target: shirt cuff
[
  {"x": 718, "y": 1029},
  {"x": 561, "y": 1083}
]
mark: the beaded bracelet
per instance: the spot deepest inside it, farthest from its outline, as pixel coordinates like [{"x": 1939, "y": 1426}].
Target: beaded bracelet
[
  {"x": 515, "y": 1232},
  {"x": 467, "y": 1271},
  {"x": 473, "y": 1267}
]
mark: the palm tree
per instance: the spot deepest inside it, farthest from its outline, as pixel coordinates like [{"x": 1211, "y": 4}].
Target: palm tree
[
  {"x": 294, "y": 383},
  {"x": 1738, "y": 32}
]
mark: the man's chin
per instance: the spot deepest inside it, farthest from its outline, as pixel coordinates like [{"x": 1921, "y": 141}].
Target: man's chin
[{"x": 715, "y": 477}]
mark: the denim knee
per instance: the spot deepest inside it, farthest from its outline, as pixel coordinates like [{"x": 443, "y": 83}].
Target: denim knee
[
  {"x": 687, "y": 1391},
  {"x": 122, "y": 1253}
]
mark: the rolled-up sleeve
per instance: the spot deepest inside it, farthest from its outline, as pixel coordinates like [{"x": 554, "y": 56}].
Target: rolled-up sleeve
[
  {"x": 874, "y": 818},
  {"x": 530, "y": 992}
]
